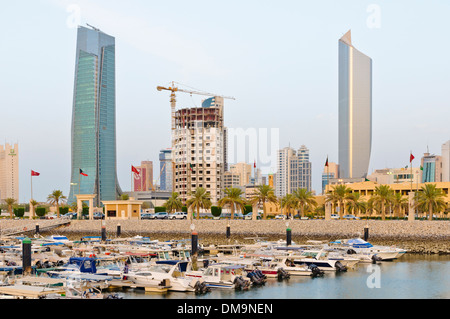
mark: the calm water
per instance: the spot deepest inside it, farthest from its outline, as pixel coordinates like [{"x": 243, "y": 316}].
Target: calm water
[{"x": 410, "y": 277}]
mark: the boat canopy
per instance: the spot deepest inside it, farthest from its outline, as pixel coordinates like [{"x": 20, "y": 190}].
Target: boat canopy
[{"x": 359, "y": 243}]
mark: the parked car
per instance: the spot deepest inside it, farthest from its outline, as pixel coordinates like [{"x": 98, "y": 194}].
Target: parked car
[
  {"x": 99, "y": 215},
  {"x": 334, "y": 216},
  {"x": 178, "y": 215},
  {"x": 249, "y": 216},
  {"x": 349, "y": 216},
  {"x": 70, "y": 215},
  {"x": 147, "y": 216},
  {"x": 161, "y": 215},
  {"x": 280, "y": 217},
  {"x": 52, "y": 216}
]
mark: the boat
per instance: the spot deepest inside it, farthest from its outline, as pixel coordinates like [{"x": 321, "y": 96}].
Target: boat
[
  {"x": 383, "y": 253},
  {"x": 222, "y": 276},
  {"x": 147, "y": 280},
  {"x": 318, "y": 258},
  {"x": 285, "y": 264}
]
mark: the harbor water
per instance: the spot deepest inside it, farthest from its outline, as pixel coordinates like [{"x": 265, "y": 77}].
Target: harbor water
[{"x": 410, "y": 277}]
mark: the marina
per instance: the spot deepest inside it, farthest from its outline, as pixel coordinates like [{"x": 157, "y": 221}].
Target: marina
[{"x": 137, "y": 267}]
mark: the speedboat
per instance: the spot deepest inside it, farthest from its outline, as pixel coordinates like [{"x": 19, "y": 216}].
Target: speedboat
[
  {"x": 318, "y": 258},
  {"x": 383, "y": 253},
  {"x": 226, "y": 276}
]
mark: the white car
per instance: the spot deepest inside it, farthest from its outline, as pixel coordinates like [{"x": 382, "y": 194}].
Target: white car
[
  {"x": 334, "y": 216},
  {"x": 178, "y": 215},
  {"x": 280, "y": 217}
]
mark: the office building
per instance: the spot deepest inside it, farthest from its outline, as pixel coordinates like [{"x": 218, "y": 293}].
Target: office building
[
  {"x": 244, "y": 171},
  {"x": 283, "y": 171},
  {"x": 94, "y": 118},
  {"x": 355, "y": 110},
  {"x": 9, "y": 171},
  {"x": 329, "y": 172},
  {"x": 143, "y": 181},
  {"x": 445, "y": 153},
  {"x": 165, "y": 170},
  {"x": 301, "y": 170},
  {"x": 432, "y": 168}
]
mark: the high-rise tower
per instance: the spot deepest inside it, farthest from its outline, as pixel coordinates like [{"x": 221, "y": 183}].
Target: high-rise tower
[
  {"x": 355, "y": 110},
  {"x": 94, "y": 117}
]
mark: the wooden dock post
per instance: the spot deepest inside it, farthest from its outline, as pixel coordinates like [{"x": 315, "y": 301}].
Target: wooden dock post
[{"x": 26, "y": 256}]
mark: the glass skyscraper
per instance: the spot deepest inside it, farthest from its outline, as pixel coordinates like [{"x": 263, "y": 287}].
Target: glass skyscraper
[
  {"x": 355, "y": 110},
  {"x": 94, "y": 118}
]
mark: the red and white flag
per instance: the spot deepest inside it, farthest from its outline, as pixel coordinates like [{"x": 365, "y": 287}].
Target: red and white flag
[{"x": 33, "y": 173}]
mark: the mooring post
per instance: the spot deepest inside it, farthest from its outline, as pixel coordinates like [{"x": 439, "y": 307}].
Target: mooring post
[
  {"x": 26, "y": 256},
  {"x": 103, "y": 231},
  {"x": 119, "y": 230},
  {"x": 228, "y": 231},
  {"x": 194, "y": 247},
  {"x": 366, "y": 233},
  {"x": 288, "y": 235},
  {"x": 37, "y": 229}
]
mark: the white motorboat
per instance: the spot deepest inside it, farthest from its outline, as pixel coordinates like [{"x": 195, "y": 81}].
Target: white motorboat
[
  {"x": 383, "y": 253},
  {"x": 318, "y": 258},
  {"x": 288, "y": 265},
  {"x": 226, "y": 276},
  {"x": 174, "y": 271}
]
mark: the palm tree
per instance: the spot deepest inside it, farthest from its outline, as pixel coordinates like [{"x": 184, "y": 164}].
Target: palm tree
[
  {"x": 398, "y": 202},
  {"x": 233, "y": 199},
  {"x": 264, "y": 193},
  {"x": 199, "y": 199},
  {"x": 304, "y": 197},
  {"x": 173, "y": 203},
  {"x": 33, "y": 204},
  {"x": 383, "y": 195},
  {"x": 287, "y": 202},
  {"x": 431, "y": 198},
  {"x": 56, "y": 198},
  {"x": 10, "y": 202},
  {"x": 340, "y": 194},
  {"x": 356, "y": 202}
]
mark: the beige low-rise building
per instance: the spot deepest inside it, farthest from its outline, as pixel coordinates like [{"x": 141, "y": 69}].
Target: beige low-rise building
[{"x": 123, "y": 209}]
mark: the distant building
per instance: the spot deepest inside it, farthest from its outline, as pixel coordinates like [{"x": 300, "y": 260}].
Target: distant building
[
  {"x": 9, "y": 171},
  {"x": 143, "y": 181},
  {"x": 329, "y": 173},
  {"x": 432, "y": 168},
  {"x": 355, "y": 110},
  {"x": 231, "y": 180},
  {"x": 283, "y": 171},
  {"x": 445, "y": 153},
  {"x": 244, "y": 171},
  {"x": 165, "y": 170},
  {"x": 396, "y": 175},
  {"x": 301, "y": 170}
]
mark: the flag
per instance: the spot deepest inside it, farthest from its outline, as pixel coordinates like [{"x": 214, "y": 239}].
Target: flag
[
  {"x": 254, "y": 165},
  {"x": 33, "y": 173},
  {"x": 367, "y": 180},
  {"x": 326, "y": 163},
  {"x": 82, "y": 173},
  {"x": 421, "y": 167},
  {"x": 411, "y": 158},
  {"x": 134, "y": 170},
  {"x": 190, "y": 166}
]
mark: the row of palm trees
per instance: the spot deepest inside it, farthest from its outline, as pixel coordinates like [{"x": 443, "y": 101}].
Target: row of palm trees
[
  {"x": 233, "y": 199},
  {"x": 428, "y": 199},
  {"x": 56, "y": 198}
]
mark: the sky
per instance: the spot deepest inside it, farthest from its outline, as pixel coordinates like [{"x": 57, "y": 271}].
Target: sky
[{"x": 278, "y": 59}]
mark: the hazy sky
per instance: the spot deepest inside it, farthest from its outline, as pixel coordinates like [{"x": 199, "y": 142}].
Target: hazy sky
[{"x": 279, "y": 59}]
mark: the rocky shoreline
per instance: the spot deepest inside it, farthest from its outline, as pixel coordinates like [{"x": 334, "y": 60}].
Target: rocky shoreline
[{"x": 420, "y": 237}]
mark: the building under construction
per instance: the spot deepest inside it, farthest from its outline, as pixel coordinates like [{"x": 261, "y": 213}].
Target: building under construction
[{"x": 199, "y": 149}]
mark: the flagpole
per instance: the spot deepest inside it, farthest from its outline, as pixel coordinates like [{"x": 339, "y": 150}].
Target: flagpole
[
  {"x": 79, "y": 180},
  {"x": 31, "y": 185}
]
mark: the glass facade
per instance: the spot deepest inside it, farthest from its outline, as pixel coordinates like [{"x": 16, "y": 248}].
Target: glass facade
[
  {"x": 355, "y": 110},
  {"x": 93, "y": 118}
]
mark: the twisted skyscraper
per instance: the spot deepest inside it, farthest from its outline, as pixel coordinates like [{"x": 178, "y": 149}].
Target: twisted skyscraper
[{"x": 94, "y": 117}]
